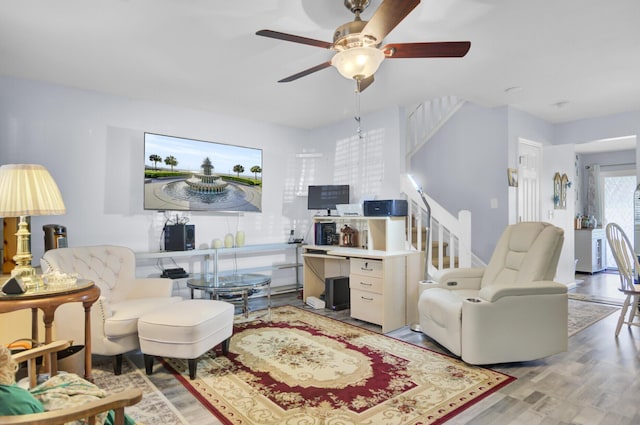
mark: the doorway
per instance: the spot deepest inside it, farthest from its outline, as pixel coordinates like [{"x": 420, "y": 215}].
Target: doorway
[
  {"x": 529, "y": 169},
  {"x": 618, "y": 188}
]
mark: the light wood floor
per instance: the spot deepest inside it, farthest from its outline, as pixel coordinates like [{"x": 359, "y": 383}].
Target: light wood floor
[{"x": 594, "y": 382}]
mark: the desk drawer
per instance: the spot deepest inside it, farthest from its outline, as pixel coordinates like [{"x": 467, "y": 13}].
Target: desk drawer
[
  {"x": 366, "y": 306},
  {"x": 366, "y": 283},
  {"x": 366, "y": 267}
]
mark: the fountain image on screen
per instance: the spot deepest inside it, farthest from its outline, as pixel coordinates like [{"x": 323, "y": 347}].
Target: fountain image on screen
[
  {"x": 183, "y": 174},
  {"x": 326, "y": 197}
]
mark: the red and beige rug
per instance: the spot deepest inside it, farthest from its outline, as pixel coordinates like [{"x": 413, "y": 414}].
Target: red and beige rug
[{"x": 304, "y": 368}]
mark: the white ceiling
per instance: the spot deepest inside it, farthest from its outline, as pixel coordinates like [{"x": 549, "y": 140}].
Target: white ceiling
[{"x": 204, "y": 54}]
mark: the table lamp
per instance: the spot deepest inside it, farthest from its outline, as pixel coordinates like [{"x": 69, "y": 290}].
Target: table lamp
[{"x": 27, "y": 190}]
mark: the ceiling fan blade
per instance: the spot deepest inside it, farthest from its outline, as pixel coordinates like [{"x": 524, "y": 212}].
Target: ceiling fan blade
[
  {"x": 306, "y": 72},
  {"x": 364, "y": 83},
  {"x": 444, "y": 49},
  {"x": 388, "y": 16},
  {"x": 294, "y": 38}
]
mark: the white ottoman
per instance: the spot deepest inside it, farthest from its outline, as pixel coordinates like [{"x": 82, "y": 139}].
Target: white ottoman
[{"x": 185, "y": 330}]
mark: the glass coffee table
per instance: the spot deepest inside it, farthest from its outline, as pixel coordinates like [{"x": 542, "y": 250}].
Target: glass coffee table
[{"x": 232, "y": 286}]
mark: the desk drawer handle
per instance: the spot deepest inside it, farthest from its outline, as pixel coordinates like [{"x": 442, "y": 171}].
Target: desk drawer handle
[
  {"x": 366, "y": 284},
  {"x": 364, "y": 269},
  {"x": 366, "y": 299}
]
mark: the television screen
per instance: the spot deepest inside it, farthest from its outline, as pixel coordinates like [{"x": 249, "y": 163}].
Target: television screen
[
  {"x": 326, "y": 197},
  {"x": 195, "y": 175}
]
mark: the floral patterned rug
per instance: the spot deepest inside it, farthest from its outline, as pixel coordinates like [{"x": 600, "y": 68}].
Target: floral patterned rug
[{"x": 306, "y": 368}]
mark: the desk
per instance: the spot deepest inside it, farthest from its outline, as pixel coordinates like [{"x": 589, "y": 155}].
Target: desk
[
  {"x": 233, "y": 285},
  {"x": 48, "y": 301}
]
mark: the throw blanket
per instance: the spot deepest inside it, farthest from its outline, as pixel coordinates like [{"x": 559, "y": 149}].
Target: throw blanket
[{"x": 67, "y": 390}]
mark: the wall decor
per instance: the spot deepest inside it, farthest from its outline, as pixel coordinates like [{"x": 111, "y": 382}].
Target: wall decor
[
  {"x": 565, "y": 184},
  {"x": 512, "y": 175},
  {"x": 557, "y": 189}
]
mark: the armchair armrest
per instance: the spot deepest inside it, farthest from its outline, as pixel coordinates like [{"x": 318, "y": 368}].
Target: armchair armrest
[
  {"x": 116, "y": 402},
  {"x": 46, "y": 351},
  {"x": 493, "y": 293},
  {"x": 150, "y": 287},
  {"x": 465, "y": 278}
]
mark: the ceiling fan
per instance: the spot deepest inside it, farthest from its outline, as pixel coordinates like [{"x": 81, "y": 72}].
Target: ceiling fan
[{"x": 358, "y": 43}]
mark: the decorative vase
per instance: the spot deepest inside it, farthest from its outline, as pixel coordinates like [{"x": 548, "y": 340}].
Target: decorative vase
[
  {"x": 217, "y": 243},
  {"x": 240, "y": 238},
  {"x": 228, "y": 241}
]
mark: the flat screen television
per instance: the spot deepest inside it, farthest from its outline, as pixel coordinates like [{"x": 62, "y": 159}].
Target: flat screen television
[
  {"x": 183, "y": 174},
  {"x": 326, "y": 197}
]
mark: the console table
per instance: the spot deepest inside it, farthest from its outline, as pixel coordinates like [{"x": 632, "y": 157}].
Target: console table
[{"x": 211, "y": 257}]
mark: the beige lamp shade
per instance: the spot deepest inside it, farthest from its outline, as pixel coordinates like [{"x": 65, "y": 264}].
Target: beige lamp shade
[{"x": 28, "y": 189}]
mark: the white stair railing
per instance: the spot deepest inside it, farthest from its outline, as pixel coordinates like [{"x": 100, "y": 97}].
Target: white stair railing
[
  {"x": 427, "y": 118},
  {"x": 452, "y": 234}
]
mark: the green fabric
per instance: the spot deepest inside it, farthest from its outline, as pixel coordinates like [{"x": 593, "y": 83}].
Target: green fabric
[
  {"x": 18, "y": 401},
  {"x": 111, "y": 418}
]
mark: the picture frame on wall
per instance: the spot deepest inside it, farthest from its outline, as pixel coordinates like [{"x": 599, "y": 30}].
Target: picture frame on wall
[{"x": 512, "y": 177}]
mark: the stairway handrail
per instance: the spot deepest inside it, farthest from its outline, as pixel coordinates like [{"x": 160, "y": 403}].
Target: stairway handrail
[{"x": 459, "y": 226}]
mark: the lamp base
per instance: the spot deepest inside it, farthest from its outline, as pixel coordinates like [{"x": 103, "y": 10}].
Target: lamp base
[{"x": 23, "y": 268}]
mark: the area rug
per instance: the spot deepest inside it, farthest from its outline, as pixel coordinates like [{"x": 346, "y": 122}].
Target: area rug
[
  {"x": 583, "y": 314},
  {"x": 153, "y": 409},
  {"x": 304, "y": 368}
]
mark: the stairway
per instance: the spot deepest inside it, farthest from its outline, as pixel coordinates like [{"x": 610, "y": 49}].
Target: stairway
[
  {"x": 449, "y": 235},
  {"x": 438, "y": 250}
]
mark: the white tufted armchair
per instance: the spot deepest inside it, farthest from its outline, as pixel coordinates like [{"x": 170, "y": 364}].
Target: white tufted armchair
[
  {"x": 510, "y": 310},
  {"x": 124, "y": 298}
]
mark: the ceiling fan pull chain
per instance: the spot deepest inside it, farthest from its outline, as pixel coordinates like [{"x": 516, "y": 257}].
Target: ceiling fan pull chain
[{"x": 357, "y": 117}]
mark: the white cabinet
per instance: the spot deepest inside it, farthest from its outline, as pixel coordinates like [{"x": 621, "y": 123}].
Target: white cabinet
[
  {"x": 590, "y": 250},
  {"x": 378, "y": 270}
]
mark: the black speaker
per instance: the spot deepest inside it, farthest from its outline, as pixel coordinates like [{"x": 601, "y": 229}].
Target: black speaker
[
  {"x": 179, "y": 237},
  {"x": 388, "y": 207},
  {"x": 336, "y": 293}
]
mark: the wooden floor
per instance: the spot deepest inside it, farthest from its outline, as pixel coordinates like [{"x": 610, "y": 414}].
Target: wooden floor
[{"x": 594, "y": 382}]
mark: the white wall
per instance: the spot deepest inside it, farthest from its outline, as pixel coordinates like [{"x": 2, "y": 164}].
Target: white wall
[
  {"x": 92, "y": 144},
  {"x": 464, "y": 167},
  {"x": 559, "y": 159}
]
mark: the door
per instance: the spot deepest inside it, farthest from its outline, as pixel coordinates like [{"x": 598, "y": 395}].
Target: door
[
  {"x": 618, "y": 190},
  {"x": 529, "y": 169}
]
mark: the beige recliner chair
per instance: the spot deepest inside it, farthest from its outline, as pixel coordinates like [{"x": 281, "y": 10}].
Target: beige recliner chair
[
  {"x": 509, "y": 311},
  {"x": 123, "y": 299}
]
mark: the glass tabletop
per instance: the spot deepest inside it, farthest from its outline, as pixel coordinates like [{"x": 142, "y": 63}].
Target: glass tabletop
[
  {"x": 48, "y": 290},
  {"x": 230, "y": 283}
]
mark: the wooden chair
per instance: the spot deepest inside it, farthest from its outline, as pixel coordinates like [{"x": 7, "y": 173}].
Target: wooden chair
[
  {"x": 116, "y": 402},
  {"x": 628, "y": 267}
]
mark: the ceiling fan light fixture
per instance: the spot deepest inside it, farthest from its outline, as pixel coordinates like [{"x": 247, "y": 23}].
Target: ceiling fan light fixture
[{"x": 358, "y": 62}]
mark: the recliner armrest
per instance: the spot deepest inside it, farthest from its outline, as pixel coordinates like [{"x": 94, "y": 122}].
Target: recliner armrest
[
  {"x": 493, "y": 293},
  {"x": 464, "y": 278},
  {"x": 150, "y": 287}
]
